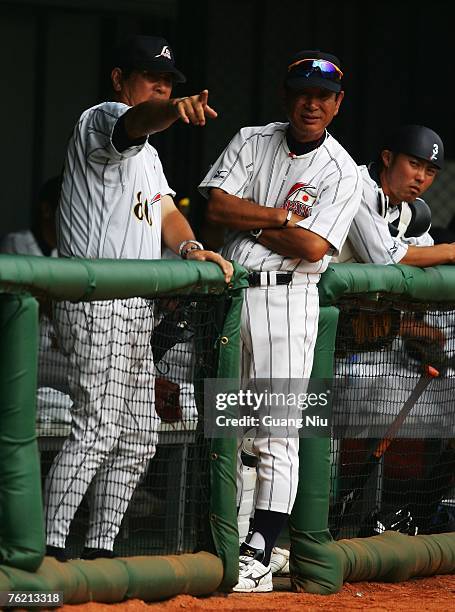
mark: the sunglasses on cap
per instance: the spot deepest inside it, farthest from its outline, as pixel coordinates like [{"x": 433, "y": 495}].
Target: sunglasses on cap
[{"x": 317, "y": 67}]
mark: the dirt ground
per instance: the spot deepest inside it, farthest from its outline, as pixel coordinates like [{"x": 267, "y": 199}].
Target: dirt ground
[{"x": 426, "y": 594}]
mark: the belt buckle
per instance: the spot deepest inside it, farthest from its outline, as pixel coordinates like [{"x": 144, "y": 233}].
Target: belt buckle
[
  {"x": 269, "y": 279},
  {"x": 284, "y": 278},
  {"x": 254, "y": 279}
]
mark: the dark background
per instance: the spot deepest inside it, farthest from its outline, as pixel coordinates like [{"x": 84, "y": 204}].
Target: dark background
[{"x": 397, "y": 58}]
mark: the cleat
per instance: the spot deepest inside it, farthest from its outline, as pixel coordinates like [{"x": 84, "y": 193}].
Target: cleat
[
  {"x": 378, "y": 522},
  {"x": 254, "y": 577},
  {"x": 279, "y": 561}
]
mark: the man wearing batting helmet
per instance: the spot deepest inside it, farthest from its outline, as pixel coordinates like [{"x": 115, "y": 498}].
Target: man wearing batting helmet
[
  {"x": 288, "y": 193},
  {"x": 116, "y": 203},
  {"x": 393, "y": 220}
]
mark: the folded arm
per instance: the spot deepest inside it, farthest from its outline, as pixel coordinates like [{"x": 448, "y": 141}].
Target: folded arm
[
  {"x": 295, "y": 242},
  {"x": 241, "y": 214}
]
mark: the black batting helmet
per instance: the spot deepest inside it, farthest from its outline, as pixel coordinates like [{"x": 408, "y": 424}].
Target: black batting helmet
[{"x": 419, "y": 141}]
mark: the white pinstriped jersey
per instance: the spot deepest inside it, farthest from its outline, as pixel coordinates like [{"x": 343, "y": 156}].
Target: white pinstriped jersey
[
  {"x": 369, "y": 239},
  {"x": 279, "y": 323},
  {"x": 110, "y": 206},
  {"x": 323, "y": 185}
]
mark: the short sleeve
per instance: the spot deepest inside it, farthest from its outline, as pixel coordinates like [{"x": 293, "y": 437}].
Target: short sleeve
[
  {"x": 369, "y": 234},
  {"x": 96, "y": 128},
  {"x": 336, "y": 205},
  {"x": 233, "y": 169},
  {"x": 371, "y": 238}
]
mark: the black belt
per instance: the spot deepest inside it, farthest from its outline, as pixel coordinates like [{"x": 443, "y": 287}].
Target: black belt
[{"x": 264, "y": 279}]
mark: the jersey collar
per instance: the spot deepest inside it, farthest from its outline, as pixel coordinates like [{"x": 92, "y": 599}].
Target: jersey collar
[{"x": 298, "y": 149}]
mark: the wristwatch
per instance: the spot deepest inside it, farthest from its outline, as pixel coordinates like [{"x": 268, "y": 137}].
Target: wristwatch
[
  {"x": 194, "y": 245},
  {"x": 288, "y": 218}
]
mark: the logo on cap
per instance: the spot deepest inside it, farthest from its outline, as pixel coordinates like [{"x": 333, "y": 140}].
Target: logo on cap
[
  {"x": 165, "y": 52},
  {"x": 435, "y": 152}
]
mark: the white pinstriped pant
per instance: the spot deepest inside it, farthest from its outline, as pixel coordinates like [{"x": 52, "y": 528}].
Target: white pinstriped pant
[
  {"x": 114, "y": 424},
  {"x": 279, "y": 330}
]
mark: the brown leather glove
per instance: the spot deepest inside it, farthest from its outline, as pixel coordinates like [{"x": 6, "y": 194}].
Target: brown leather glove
[{"x": 167, "y": 401}]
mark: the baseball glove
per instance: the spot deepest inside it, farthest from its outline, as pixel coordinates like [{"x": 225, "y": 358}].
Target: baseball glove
[
  {"x": 428, "y": 352},
  {"x": 366, "y": 330},
  {"x": 167, "y": 401},
  {"x": 175, "y": 326}
]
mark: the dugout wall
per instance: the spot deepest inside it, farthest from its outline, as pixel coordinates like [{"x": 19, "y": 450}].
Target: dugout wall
[
  {"x": 21, "y": 535},
  {"x": 318, "y": 563}
]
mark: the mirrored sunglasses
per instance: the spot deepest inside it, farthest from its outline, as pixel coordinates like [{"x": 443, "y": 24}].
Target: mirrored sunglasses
[{"x": 317, "y": 67}]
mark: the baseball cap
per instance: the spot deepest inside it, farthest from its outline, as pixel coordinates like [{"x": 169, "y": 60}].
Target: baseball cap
[
  {"x": 418, "y": 141},
  {"x": 314, "y": 68},
  {"x": 151, "y": 53}
]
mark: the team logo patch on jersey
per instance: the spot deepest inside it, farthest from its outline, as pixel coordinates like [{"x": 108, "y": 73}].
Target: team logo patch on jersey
[
  {"x": 300, "y": 199},
  {"x": 142, "y": 209},
  {"x": 220, "y": 174}
]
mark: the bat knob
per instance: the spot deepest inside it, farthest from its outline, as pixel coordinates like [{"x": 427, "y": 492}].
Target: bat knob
[{"x": 431, "y": 371}]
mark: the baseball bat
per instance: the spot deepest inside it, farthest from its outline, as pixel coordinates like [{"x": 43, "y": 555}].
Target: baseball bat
[{"x": 345, "y": 504}]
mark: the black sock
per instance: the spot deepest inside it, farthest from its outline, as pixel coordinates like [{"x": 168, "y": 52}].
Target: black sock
[{"x": 269, "y": 524}]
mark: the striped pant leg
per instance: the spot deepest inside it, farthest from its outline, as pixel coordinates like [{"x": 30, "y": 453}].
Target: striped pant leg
[
  {"x": 122, "y": 470},
  {"x": 282, "y": 324},
  {"x": 91, "y": 335}
]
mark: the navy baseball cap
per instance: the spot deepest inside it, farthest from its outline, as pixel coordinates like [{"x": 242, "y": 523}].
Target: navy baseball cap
[
  {"x": 314, "y": 68},
  {"x": 151, "y": 53},
  {"x": 418, "y": 141}
]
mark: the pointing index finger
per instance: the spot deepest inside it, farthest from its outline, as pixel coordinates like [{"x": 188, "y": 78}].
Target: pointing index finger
[{"x": 210, "y": 112}]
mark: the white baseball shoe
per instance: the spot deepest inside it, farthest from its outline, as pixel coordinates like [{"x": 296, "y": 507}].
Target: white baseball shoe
[
  {"x": 279, "y": 561},
  {"x": 254, "y": 577}
]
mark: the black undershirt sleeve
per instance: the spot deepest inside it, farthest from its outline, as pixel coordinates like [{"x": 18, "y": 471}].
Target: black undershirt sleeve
[{"x": 120, "y": 138}]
